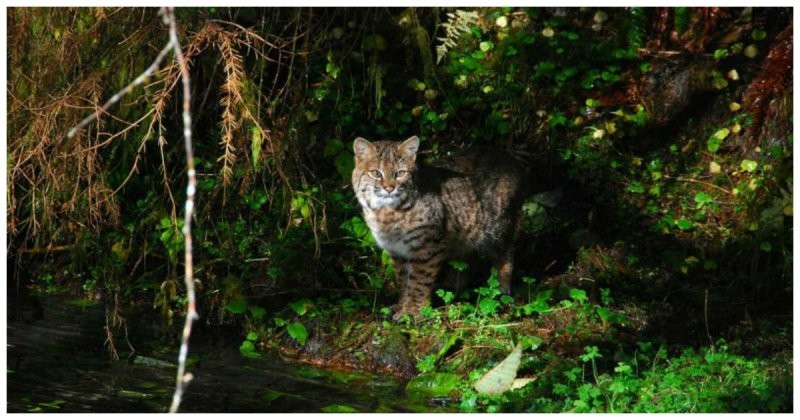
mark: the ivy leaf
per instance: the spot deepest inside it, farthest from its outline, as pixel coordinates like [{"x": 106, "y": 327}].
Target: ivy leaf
[
  {"x": 298, "y": 331},
  {"x": 702, "y": 199},
  {"x": 301, "y": 306},
  {"x": 248, "y": 349},
  {"x": 578, "y": 295}
]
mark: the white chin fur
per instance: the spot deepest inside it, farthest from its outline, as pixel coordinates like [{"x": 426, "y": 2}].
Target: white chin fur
[
  {"x": 379, "y": 199},
  {"x": 377, "y": 202}
]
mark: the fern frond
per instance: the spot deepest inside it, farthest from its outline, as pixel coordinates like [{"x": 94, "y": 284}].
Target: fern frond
[
  {"x": 230, "y": 101},
  {"x": 457, "y": 24}
]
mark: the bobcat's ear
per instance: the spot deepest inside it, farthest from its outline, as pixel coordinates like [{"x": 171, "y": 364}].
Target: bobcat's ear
[
  {"x": 410, "y": 146},
  {"x": 362, "y": 148}
]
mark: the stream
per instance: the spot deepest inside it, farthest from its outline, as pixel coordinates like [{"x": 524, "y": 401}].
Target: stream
[{"x": 58, "y": 362}]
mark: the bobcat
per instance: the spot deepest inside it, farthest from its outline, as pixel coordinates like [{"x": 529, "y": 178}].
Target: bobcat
[{"x": 423, "y": 215}]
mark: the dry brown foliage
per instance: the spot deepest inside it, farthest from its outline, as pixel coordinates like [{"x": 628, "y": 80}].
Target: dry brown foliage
[{"x": 64, "y": 63}]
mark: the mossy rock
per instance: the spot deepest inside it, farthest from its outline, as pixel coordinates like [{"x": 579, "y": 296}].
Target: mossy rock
[{"x": 390, "y": 353}]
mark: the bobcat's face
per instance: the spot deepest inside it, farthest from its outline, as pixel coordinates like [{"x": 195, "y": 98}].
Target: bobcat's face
[{"x": 382, "y": 177}]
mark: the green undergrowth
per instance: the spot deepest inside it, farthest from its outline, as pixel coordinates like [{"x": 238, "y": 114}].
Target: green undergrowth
[{"x": 578, "y": 355}]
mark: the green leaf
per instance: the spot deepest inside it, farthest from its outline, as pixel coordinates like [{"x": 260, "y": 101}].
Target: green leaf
[
  {"x": 684, "y": 224},
  {"x": 451, "y": 340},
  {"x": 298, "y": 331},
  {"x": 530, "y": 342},
  {"x": 758, "y": 34},
  {"x": 765, "y": 246},
  {"x": 591, "y": 353},
  {"x": 539, "y": 304},
  {"x": 486, "y": 46},
  {"x": 357, "y": 228},
  {"x": 257, "y": 312},
  {"x": 604, "y": 313},
  {"x": 578, "y": 295},
  {"x": 252, "y": 336},
  {"x": 458, "y": 265},
  {"x": 488, "y": 306},
  {"x": 446, "y": 295},
  {"x": 617, "y": 387},
  {"x": 248, "y": 349},
  {"x": 427, "y": 364},
  {"x": 748, "y": 165},
  {"x": 636, "y": 187},
  {"x": 722, "y": 134},
  {"x": 702, "y": 199},
  {"x": 623, "y": 368},
  {"x": 301, "y": 307},
  {"x": 236, "y": 306},
  {"x": 593, "y": 103},
  {"x": 713, "y": 144},
  {"x": 715, "y": 140}
]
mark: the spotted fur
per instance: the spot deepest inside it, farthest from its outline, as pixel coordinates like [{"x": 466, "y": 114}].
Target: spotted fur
[{"x": 423, "y": 215}]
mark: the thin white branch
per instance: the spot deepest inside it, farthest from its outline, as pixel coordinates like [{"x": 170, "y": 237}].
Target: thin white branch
[{"x": 191, "y": 312}]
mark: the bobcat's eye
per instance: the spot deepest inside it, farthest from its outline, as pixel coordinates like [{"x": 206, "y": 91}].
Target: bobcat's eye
[
  {"x": 376, "y": 174},
  {"x": 400, "y": 174}
]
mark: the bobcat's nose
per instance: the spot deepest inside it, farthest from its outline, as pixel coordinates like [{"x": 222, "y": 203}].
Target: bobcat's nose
[{"x": 388, "y": 188}]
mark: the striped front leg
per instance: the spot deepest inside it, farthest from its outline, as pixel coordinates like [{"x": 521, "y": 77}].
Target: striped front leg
[{"x": 417, "y": 275}]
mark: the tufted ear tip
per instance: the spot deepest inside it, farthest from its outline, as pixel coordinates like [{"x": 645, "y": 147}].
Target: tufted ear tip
[
  {"x": 362, "y": 147},
  {"x": 411, "y": 145}
]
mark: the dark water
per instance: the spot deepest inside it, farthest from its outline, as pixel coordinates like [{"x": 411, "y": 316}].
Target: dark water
[{"x": 57, "y": 362}]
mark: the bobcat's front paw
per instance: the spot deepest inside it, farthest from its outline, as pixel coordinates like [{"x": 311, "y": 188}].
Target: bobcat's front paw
[{"x": 400, "y": 311}]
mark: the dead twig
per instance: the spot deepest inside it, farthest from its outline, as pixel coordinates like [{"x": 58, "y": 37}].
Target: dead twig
[
  {"x": 697, "y": 181},
  {"x": 173, "y": 45}
]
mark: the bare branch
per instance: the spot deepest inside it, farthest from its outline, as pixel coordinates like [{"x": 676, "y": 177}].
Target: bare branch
[
  {"x": 191, "y": 312},
  {"x": 126, "y": 90}
]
